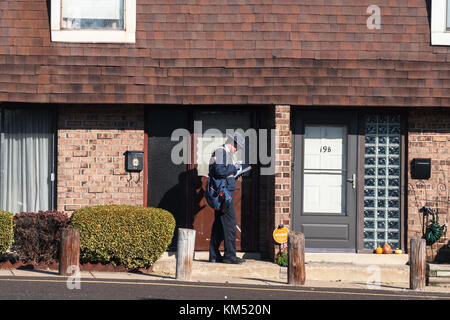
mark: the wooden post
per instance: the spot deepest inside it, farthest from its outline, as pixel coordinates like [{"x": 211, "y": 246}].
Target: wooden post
[
  {"x": 185, "y": 253},
  {"x": 296, "y": 256},
  {"x": 417, "y": 264},
  {"x": 69, "y": 251}
]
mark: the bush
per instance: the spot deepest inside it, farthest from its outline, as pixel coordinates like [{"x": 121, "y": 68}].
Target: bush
[
  {"x": 282, "y": 259},
  {"x": 37, "y": 235},
  {"x": 6, "y": 231},
  {"x": 130, "y": 236}
]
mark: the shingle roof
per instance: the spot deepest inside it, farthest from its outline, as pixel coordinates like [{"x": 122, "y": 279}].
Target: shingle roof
[{"x": 296, "y": 52}]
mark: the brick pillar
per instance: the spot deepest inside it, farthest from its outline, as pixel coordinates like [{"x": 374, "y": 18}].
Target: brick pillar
[
  {"x": 283, "y": 160},
  {"x": 428, "y": 137}
]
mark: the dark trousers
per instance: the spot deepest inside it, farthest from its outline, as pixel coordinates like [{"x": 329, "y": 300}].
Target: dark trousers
[{"x": 223, "y": 229}]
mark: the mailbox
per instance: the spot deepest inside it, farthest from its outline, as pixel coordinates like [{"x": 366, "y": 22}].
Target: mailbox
[
  {"x": 421, "y": 168},
  {"x": 134, "y": 161}
]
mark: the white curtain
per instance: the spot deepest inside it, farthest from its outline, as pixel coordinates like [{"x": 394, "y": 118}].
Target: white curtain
[{"x": 25, "y": 160}]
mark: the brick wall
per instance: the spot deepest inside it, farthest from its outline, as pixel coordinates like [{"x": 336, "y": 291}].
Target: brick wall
[
  {"x": 429, "y": 137},
  {"x": 91, "y": 144}
]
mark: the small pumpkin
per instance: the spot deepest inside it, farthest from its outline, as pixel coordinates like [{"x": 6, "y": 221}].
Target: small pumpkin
[
  {"x": 387, "y": 249},
  {"x": 379, "y": 250},
  {"x": 398, "y": 251}
]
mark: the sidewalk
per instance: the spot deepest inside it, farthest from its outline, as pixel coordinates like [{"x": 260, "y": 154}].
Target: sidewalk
[
  {"x": 322, "y": 270},
  {"x": 333, "y": 270}
]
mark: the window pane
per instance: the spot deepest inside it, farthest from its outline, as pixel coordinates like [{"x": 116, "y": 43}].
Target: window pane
[
  {"x": 323, "y": 192},
  {"x": 215, "y": 126},
  {"x": 324, "y": 169},
  {"x": 92, "y": 14}
]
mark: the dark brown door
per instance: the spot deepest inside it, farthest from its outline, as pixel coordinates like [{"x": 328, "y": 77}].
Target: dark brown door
[{"x": 201, "y": 215}]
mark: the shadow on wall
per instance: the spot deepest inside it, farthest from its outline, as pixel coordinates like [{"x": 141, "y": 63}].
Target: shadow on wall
[
  {"x": 49, "y": 5},
  {"x": 436, "y": 197},
  {"x": 174, "y": 200},
  {"x": 443, "y": 254},
  {"x": 428, "y": 5}
]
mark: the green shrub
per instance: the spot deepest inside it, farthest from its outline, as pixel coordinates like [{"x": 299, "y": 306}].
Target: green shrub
[
  {"x": 282, "y": 259},
  {"x": 37, "y": 235},
  {"x": 130, "y": 236},
  {"x": 6, "y": 230}
]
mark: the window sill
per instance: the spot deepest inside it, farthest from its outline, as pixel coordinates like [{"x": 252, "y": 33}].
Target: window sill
[
  {"x": 440, "y": 38},
  {"x": 93, "y": 36}
]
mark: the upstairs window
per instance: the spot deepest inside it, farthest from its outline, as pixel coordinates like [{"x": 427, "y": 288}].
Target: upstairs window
[
  {"x": 88, "y": 14},
  {"x": 440, "y": 22},
  {"x": 93, "y": 21}
]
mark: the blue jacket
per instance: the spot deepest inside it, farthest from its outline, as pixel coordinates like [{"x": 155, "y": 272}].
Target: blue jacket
[{"x": 221, "y": 167}]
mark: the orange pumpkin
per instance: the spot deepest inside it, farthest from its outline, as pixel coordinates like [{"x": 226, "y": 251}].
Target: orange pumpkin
[
  {"x": 387, "y": 249},
  {"x": 379, "y": 250}
]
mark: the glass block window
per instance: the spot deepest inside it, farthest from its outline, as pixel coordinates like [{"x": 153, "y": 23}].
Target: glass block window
[{"x": 382, "y": 181}]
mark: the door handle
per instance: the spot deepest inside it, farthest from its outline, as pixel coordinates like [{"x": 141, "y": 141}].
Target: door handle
[{"x": 353, "y": 181}]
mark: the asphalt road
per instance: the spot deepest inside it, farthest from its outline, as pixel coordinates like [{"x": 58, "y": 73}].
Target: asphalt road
[
  {"x": 99, "y": 289},
  {"x": 189, "y": 300}
]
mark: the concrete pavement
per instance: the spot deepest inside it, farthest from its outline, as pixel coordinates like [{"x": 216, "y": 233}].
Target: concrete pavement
[
  {"x": 322, "y": 270},
  {"x": 343, "y": 270}
]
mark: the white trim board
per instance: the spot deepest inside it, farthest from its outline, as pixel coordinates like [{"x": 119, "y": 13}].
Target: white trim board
[
  {"x": 94, "y": 36},
  {"x": 439, "y": 33}
]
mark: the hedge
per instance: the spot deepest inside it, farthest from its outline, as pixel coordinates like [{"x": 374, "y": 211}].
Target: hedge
[
  {"x": 37, "y": 235},
  {"x": 6, "y": 230},
  {"x": 130, "y": 236}
]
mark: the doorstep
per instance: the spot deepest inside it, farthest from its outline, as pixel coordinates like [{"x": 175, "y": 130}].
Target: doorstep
[
  {"x": 253, "y": 267},
  {"x": 355, "y": 258},
  {"x": 365, "y": 268},
  {"x": 345, "y": 267},
  {"x": 358, "y": 258},
  {"x": 438, "y": 274}
]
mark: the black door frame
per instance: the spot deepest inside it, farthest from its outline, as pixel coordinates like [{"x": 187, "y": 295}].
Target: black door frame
[{"x": 256, "y": 122}]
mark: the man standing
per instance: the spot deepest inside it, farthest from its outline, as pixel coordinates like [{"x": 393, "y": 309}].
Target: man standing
[{"x": 222, "y": 166}]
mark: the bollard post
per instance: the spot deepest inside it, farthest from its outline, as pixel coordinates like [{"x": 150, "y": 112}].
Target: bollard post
[
  {"x": 417, "y": 264},
  {"x": 296, "y": 258},
  {"x": 185, "y": 253},
  {"x": 69, "y": 251}
]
